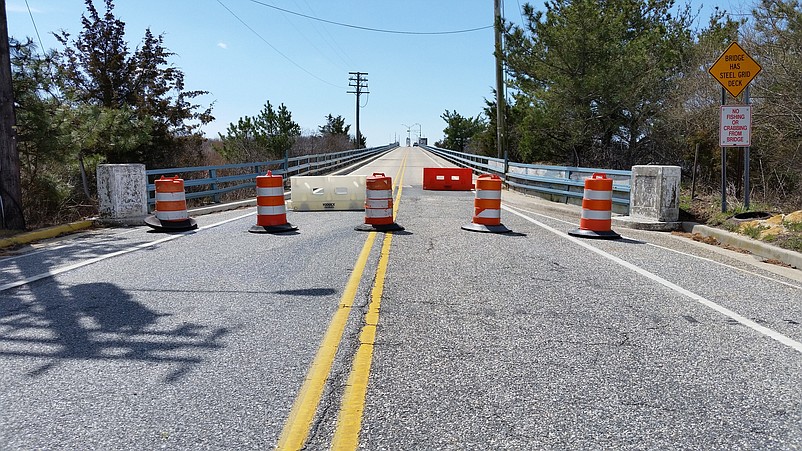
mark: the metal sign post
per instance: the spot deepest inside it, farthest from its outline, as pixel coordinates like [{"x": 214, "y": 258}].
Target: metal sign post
[
  {"x": 734, "y": 70},
  {"x": 746, "y": 153},
  {"x": 723, "y": 163}
]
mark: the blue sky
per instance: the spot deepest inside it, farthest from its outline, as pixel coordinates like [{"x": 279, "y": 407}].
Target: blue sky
[{"x": 304, "y": 63}]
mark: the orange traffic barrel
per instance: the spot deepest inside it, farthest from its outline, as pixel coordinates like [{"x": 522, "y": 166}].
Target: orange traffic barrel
[
  {"x": 378, "y": 204},
  {"x": 487, "y": 206},
  {"x": 171, "y": 206},
  {"x": 448, "y": 179},
  {"x": 271, "y": 212},
  {"x": 597, "y": 207}
]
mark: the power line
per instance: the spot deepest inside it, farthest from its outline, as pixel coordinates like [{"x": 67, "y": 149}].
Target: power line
[
  {"x": 345, "y": 58},
  {"x": 274, "y": 48},
  {"x": 310, "y": 41},
  {"x": 41, "y": 46},
  {"x": 520, "y": 13},
  {"x": 43, "y": 54},
  {"x": 376, "y": 30}
]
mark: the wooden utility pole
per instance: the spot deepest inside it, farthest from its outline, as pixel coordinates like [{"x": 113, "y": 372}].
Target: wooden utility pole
[
  {"x": 499, "y": 82},
  {"x": 11, "y": 216},
  {"x": 359, "y": 82}
]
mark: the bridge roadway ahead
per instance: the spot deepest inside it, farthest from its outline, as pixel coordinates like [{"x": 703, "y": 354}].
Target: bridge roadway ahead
[{"x": 430, "y": 338}]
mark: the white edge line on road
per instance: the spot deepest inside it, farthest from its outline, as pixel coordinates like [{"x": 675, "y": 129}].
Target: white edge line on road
[
  {"x": 793, "y": 344},
  {"x": 138, "y": 247},
  {"x": 728, "y": 266},
  {"x": 709, "y": 260},
  {"x": 439, "y": 164}
]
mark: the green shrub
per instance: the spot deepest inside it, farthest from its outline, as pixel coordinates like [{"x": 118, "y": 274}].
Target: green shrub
[
  {"x": 752, "y": 230},
  {"x": 793, "y": 226}
]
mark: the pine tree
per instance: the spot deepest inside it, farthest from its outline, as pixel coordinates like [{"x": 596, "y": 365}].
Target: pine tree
[{"x": 97, "y": 68}]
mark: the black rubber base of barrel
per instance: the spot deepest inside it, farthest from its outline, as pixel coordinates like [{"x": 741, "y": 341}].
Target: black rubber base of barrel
[
  {"x": 273, "y": 229},
  {"x": 486, "y": 228},
  {"x": 582, "y": 233},
  {"x": 170, "y": 226},
  {"x": 378, "y": 228}
]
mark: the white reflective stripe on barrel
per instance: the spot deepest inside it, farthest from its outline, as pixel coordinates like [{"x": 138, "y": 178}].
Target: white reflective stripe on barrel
[
  {"x": 172, "y": 215},
  {"x": 488, "y": 194},
  {"x": 378, "y": 203},
  {"x": 596, "y": 214},
  {"x": 274, "y": 191},
  {"x": 592, "y": 194},
  {"x": 170, "y": 197},
  {"x": 277, "y": 210},
  {"x": 378, "y": 212},
  {"x": 379, "y": 194},
  {"x": 489, "y": 213}
]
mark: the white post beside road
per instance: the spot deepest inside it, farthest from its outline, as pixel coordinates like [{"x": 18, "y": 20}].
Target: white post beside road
[
  {"x": 655, "y": 193},
  {"x": 653, "y": 199},
  {"x": 122, "y": 193}
]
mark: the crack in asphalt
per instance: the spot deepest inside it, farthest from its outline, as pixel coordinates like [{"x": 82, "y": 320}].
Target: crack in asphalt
[{"x": 337, "y": 380}]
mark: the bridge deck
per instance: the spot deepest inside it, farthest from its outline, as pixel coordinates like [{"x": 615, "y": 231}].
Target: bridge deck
[{"x": 129, "y": 339}]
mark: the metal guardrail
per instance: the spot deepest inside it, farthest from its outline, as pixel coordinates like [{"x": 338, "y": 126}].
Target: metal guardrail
[
  {"x": 557, "y": 183},
  {"x": 209, "y": 176}
]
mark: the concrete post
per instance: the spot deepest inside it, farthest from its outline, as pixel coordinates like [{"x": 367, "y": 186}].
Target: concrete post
[
  {"x": 653, "y": 199},
  {"x": 655, "y": 193},
  {"x": 122, "y": 193}
]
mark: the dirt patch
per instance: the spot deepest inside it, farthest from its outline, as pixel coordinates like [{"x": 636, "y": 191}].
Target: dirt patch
[
  {"x": 705, "y": 239},
  {"x": 735, "y": 249},
  {"x": 711, "y": 241},
  {"x": 773, "y": 261},
  {"x": 697, "y": 237}
]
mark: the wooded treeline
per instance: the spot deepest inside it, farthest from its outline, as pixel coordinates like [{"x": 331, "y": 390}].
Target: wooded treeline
[
  {"x": 616, "y": 83},
  {"x": 95, "y": 100}
]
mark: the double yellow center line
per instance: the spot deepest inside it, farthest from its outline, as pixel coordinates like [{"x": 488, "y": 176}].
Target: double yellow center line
[{"x": 346, "y": 436}]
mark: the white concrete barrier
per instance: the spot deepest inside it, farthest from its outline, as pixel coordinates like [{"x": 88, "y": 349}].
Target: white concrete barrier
[
  {"x": 327, "y": 192},
  {"x": 654, "y": 193},
  {"x": 122, "y": 193}
]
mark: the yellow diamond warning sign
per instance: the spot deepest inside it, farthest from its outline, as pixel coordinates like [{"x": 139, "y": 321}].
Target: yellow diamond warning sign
[{"x": 734, "y": 69}]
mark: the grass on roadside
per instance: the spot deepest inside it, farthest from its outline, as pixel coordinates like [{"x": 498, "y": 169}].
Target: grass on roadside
[{"x": 707, "y": 210}]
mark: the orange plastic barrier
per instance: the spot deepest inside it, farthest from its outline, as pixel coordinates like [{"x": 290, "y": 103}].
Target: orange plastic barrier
[
  {"x": 171, "y": 206},
  {"x": 378, "y": 204},
  {"x": 271, "y": 213},
  {"x": 448, "y": 179},
  {"x": 597, "y": 206},
  {"x": 487, "y": 206}
]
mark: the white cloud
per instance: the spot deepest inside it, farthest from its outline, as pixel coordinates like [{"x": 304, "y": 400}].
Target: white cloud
[
  {"x": 15, "y": 8},
  {"x": 222, "y": 45}
]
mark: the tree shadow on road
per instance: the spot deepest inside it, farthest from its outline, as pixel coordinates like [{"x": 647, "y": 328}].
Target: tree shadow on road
[{"x": 97, "y": 322}]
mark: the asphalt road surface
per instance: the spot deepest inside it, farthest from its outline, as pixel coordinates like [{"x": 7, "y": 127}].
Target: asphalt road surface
[{"x": 429, "y": 338}]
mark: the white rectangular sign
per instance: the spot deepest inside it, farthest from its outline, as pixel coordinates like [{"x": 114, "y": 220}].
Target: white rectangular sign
[{"x": 736, "y": 126}]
